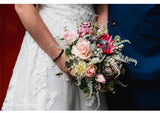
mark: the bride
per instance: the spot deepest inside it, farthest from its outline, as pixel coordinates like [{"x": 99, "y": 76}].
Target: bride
[{"x": 34, "y": 84}]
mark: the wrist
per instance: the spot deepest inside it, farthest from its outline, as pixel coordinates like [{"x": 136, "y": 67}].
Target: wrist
[
  {"x": 59, "y": 55},
  {"x": 54, "y": 51}
]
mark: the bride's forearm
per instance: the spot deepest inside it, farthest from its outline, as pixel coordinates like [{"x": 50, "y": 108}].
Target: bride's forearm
[
  {"x": 102, "y": 12},
  {"x": 33, "y": 23}
]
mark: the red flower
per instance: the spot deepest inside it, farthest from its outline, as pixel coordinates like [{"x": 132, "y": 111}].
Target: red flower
[{"x": 106, "y": 43}]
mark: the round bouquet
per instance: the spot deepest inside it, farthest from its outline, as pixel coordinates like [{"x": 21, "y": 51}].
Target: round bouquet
[{"x": 94, "y": 58}]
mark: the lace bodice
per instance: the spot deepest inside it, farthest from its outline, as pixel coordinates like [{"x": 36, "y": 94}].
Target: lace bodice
[
  {"x": 34, "y": 84},
  {"x": 57, "y": 16}
]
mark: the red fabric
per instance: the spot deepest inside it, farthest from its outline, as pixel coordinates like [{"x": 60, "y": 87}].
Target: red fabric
[{"x": 11, "y": 36}]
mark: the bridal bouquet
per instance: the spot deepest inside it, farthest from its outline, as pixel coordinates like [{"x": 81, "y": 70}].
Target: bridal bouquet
[{"x": 94, "y": 58}]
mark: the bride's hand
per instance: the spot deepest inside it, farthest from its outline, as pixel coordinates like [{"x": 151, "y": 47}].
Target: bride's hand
[{"x": 61, "y": 64}]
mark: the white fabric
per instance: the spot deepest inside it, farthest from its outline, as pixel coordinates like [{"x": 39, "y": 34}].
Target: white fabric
[{"x": 34, "y": 84}]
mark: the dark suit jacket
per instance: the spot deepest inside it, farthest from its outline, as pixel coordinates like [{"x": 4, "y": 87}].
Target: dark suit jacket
[{"x": 141, "y": 25}]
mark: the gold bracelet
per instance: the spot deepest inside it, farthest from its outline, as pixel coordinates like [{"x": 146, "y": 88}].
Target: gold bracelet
[
  {"x": 54, "y": 46},
  {"x": 101, "y": 26}
]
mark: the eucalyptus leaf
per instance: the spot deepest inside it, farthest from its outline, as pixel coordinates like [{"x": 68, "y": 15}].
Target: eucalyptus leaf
[
  {"x": 96, "y": 60},
  {"x": 117, "y": 38},
  {"x": 93, "y": 46},
  {"x": 69, "y": 64},
  {"x": 67, "y": 52},
  {"x": 75, "y": 61}
]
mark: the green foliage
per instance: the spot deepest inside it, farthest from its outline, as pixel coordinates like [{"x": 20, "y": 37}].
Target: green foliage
[
  {"x": 98, "y": 33},
  {"x": 123, "y": 71},
  {"x": 111, "y": 85},
  {"x": 86, "y": 90},
  {"x": 100, "y": 41},
  {"x": 75, "y": 61},
  {"x": 83, "y": 85},
  {"x": 59, "y": 74},
  {"x": 117, "y": 38},
  {"x": 99, "y": 68},
  {"x": 75, "y": 42},
  {"x": 68, "y": 52},
  {"x": 94, "y": 37},
  {"x": 69, "y": 64},
  {"x": 93, "y": 46},
  {"x": 62, "y": 39}
]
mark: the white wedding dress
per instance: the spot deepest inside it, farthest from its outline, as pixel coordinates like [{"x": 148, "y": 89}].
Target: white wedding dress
[{"x": 34, "y": 84}]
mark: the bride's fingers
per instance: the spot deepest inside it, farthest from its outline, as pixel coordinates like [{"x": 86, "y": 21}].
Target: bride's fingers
[{"x": 69, "y": 74}]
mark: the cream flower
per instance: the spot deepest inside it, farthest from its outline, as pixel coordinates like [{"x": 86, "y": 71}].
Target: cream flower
[
  {"x": 82, "y": 49},
  {"x": 80, "y": 68}
]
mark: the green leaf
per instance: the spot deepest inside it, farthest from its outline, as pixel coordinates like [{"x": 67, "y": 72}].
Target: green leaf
[
  {"x": 98, "y": 33},
  {"x": 100, "y": 41},
  {"x": 75, "y": 42},
  {"x": 99, "y": 67},
  {"x": 111, "y": 85},
  {"x": 62, "y": 39},
  {"x": 67, "y": 52},
  {"x": 83, "y": 84},
  {"x": 59, "y": 74},
  {"x": 69, "y": 64},
  {"x": 93, "y": 46},
  {"x": 75, "y": 61},
  {"x": 85, "y": 90},
  {"x": 123, "y": 71},
  {"x": 117, "y": 38},
  {"x": 87, "y": 38}
]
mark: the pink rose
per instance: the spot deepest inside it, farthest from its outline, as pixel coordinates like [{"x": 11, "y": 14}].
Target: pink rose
[
  {"x": 100, "y": 78},
  {"x": 91, "y": 71},
  {"x": 84, "y": 28},
  {"x": 69, "y": 37},
  {"x": 82, "y": 49}
]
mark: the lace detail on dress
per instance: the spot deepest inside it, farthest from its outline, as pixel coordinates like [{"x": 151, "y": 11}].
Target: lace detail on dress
[
  {"x": 36, "y": 76},
  {"x": 34, "y": 84},
  {"x": 66, "y": 15}
]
